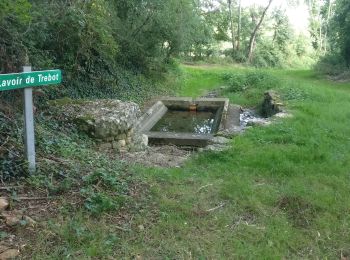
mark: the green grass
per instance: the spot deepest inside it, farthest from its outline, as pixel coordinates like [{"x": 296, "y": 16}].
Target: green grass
[
  {"x": 199, "y": 80},
  {"x": 284, "y": 189}
]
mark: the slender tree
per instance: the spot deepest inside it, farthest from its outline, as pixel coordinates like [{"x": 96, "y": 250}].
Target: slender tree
[
  {"x": 255, "y": 31},
  {"x": 229, "y": 2},
  {"x": 239, "y": 27},
  {"x": 328, "y": 16}
]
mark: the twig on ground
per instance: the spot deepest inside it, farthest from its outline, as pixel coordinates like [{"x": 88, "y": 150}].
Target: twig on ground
[
  {"x": 33, "y": 198},
  {"x": 205, "y": 186},
  {"x": 55, "y": 159},
  {"x": 217, "y": 207},
  {"x": 118, "y": 227},
  {"x": 260, "y": 184},
  {"x": 10, "y": 187},
  {"x": 122, "y": 229}
]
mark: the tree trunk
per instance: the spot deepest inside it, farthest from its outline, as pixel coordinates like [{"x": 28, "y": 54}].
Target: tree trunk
[
  {"x": 231, "y": 25},
  {"x": 255, "y": 31},
  {"x": 320, "y": 36},
  {"x": 329, "y": 11},
  {"x": 239, "y": 25}
]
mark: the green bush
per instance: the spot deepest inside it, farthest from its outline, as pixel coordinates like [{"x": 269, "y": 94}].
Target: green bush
[
  {"x": 239, "y": 81},
  {"x": 332, "y": 64},
  {"x": 236, "y": 81},
  {"x": 103, "y": 191},
  {"x": 104, "y": 178},
  {"x": 106, "y": 49},
  {"x": 267, "y": 56},
  {"x": 237, "y": 55},
  {"x": 12, "y": 164},
  {"x": 98, "y": 202}
]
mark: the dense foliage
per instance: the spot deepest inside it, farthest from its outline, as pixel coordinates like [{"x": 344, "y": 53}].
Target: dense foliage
[
  {"x": 336, "y": 23},
  {"x": 99, "y": 43},
  {"x": 106, "y": 49},
  {"x": 339, "y": 33},
  {"x": 103, "y": 47}
]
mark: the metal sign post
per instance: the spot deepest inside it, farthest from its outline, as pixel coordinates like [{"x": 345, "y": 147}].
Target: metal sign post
[
  {"x": 29, "y": 137},
  {"x": 27, "y": 80}
]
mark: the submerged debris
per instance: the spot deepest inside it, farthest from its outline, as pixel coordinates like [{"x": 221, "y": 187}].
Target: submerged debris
[{"x": 249, "y": 118}]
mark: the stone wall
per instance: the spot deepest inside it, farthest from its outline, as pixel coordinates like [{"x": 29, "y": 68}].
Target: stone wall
[{"x": 109, "y": 122}]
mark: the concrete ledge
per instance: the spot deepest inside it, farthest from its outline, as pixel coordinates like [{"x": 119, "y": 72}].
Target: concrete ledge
[
  {"x": 181, "y": 139},
  {"x": 233, "y": 117},
  {"x": 151, "y": 117},
  {"x": 185, "y": 102},
  {"x": 175, "y": 103}
]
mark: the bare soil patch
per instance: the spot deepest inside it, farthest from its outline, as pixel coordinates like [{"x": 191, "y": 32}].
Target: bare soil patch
[{"x": 158, "y": 156}]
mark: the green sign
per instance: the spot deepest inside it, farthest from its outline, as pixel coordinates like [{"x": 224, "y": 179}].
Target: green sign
[{"x": 29, "y": 79}]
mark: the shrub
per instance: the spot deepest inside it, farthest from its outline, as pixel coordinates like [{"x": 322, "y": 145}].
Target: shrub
[
  {"x": 254, "y": 79},
  {"x": 100, "y": 202},
  {"x": 331, "y": 64},
  {"x": 267, "y": 56},
  {"x": 103, "y": 191}
]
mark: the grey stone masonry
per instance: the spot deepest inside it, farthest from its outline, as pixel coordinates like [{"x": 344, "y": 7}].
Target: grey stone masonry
[{"x": 109, "y": 121}]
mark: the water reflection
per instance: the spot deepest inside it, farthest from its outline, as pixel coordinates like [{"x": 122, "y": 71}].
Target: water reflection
[{"x": 186, "y": 122}]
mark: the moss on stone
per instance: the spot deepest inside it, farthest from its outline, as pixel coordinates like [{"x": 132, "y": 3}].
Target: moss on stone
[{"x": 66, "y": 101}]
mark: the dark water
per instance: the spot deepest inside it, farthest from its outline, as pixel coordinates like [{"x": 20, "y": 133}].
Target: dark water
[{"x": 186, "y": 122}]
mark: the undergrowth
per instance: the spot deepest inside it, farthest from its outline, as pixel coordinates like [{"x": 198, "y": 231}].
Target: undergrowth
[{"x": 247, "y": 87}]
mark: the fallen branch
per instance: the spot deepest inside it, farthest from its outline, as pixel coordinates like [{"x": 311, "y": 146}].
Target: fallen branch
[
  {"x": 55, "y": 159},
  {"x": 33, "y": 198},
  {"x": 122, "y": 229},
  {"x": 217, "y": 207}
]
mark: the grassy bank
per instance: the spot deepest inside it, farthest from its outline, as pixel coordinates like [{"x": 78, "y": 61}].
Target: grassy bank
[
  {"x": 283, "y": 188},
  {"x": 279, "y": 192}
]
